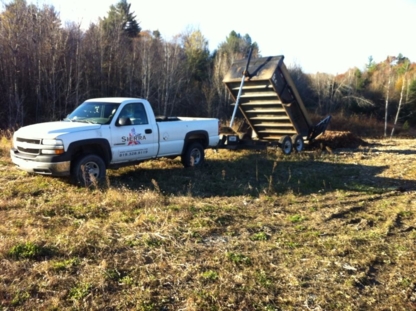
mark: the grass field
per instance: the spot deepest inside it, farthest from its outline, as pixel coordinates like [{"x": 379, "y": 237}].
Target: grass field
[{"x": 319, "y": 230}]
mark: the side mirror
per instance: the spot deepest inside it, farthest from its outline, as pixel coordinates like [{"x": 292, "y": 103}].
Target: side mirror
[{"x": 123, "y": 121}]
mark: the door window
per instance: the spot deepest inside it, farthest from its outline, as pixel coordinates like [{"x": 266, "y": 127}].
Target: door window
[{"x": 135, "y": 113}]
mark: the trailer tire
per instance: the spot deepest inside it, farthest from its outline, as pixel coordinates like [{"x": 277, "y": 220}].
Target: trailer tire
[
  {"x": 194, "y": 155},
  {"x": 286, "y": 145},
  {"x": 88, "y": 170},
  {"x": 297, "y": 142}
]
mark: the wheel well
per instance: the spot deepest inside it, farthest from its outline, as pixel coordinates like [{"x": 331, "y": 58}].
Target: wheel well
[
  {"x": 96, "y": 148},
  {"x": 196, "y": 136}
]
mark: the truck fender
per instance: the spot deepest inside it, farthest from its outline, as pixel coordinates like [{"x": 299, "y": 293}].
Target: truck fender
[
  {"x": 200, "y": 136},
  {"x": 98, "y": 146}
]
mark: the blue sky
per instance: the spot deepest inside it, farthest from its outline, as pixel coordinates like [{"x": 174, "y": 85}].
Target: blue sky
[{"x": 318, "y": 35}]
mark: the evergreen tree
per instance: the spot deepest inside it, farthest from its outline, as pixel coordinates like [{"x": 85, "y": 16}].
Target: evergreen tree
[
  {"x": 371, "y": 66},
  {"x": 197, "y": 55},
  {"x": 197, "y": 64},
  {"x": 411, "y": 105},
  {"x": 412, "y": 93},
  {"x": 121, "y": 19},
  {"x": 235, "y": 44}
]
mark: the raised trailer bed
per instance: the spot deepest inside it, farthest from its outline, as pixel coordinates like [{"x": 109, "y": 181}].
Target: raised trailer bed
[{"x": 273, "y": 110}]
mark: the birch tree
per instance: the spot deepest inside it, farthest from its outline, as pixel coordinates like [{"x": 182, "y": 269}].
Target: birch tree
[
  {"x": 12, "y": 34},
  {"x": 390, "y": 60},
  {"x": 150, "y": 59},
  {"x": 172, "y": 77},
  {"x": 403, "y": 70}
]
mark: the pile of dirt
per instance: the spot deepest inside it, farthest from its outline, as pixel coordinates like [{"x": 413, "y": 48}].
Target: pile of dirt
[{"x": 338, "y": 139}]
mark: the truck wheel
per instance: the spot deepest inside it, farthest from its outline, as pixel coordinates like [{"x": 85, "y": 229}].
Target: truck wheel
[
  {"x": 194, "y": 155},
  {"x": 88, "y": 170},
  {"x": 286, "y": 144},
  {"x": 297, "y": 142}
]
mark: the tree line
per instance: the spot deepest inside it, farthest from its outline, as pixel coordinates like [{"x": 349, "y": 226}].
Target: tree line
[{"x": 47, "y": 69}]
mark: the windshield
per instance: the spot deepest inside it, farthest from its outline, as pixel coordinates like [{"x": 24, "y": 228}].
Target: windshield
[{"x": 93, "y": 112}]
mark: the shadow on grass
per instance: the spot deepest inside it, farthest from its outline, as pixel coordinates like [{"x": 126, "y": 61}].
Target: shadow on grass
[
  {"x": 255, "y": 174},
  {"x": 394, "y": 151}
]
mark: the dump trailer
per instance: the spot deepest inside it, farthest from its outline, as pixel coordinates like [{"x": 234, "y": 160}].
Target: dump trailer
[{"x": 272, "y": 108}]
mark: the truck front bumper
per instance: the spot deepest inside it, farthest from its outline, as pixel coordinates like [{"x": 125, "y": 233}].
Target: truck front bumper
[{"x": 45, "y": 165}]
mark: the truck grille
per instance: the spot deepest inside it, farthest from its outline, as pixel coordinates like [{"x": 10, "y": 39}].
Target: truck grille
[
  {"x": 28, "y": 141},
  {"x": 21, "y": 145},
  {"x": 28, "y": 150}
]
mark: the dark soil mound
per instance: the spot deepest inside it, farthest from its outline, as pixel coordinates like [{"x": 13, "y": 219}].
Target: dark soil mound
[{"x": 338, "y": 139}]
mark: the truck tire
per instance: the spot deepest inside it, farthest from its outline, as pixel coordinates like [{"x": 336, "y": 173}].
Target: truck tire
[
  {"x": 286, "y": 145},
  {"x": 297, "y": 142},
  {"x": 193, "y": 155},
  {"x": 88, "y": 170}
]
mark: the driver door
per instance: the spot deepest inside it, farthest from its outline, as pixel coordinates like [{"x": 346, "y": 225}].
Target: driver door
[{"x": 133, "y": 137}]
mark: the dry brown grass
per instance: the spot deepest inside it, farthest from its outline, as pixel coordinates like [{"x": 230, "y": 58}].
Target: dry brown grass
[
  {"x": 364, "y": 126},
  {"x": 320, "y": 230}
]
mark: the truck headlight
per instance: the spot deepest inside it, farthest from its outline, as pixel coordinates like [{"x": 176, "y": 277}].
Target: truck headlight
[
  {"x": 52, "y": 146},
  {"x": 52, "y": 142}
]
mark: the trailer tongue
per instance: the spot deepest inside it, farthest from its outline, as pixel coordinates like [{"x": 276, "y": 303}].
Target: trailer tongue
[{"x": 271, "y": 105}]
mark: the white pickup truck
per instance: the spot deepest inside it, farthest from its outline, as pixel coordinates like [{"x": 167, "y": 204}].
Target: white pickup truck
[{"x": 106, "y": 133}]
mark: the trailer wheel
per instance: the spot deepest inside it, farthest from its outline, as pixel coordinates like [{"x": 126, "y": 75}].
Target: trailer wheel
[
  {"x": 286, "y": 144},
  {"x": 193, "y": 155},
  {"x": 88, "y": 170},
  {"x": 298, "y": 144}
]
